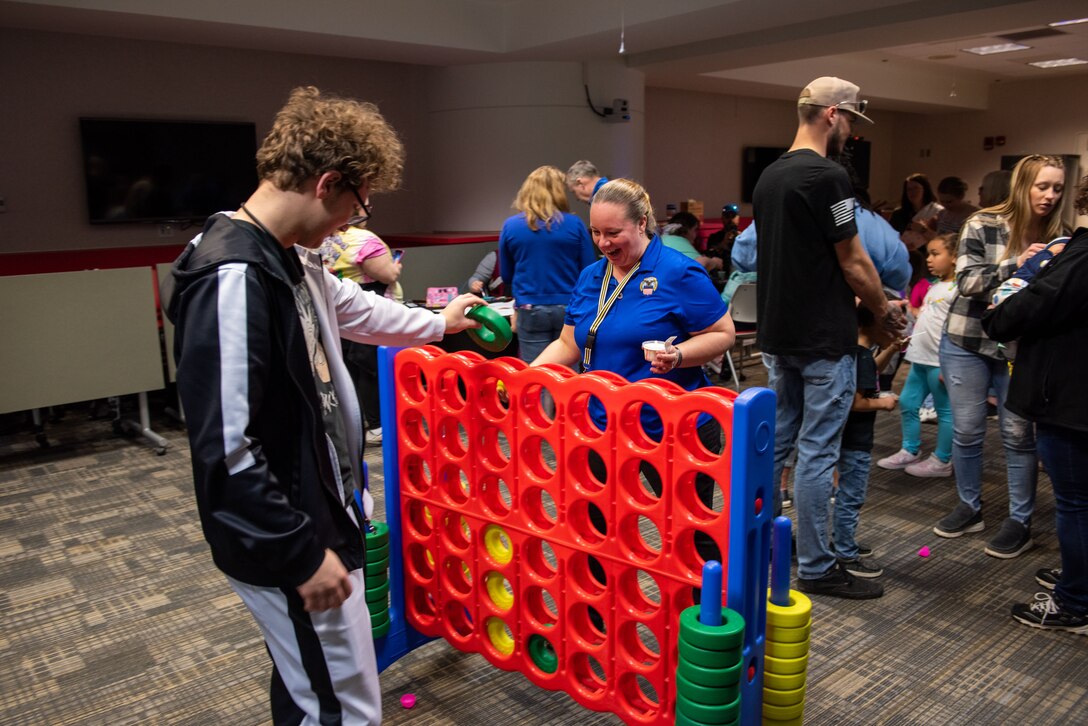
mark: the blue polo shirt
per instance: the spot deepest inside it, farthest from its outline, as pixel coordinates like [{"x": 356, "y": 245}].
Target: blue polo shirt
[
  {"x": 668, "y": 295},
  {"x": 600, "y": 183}
]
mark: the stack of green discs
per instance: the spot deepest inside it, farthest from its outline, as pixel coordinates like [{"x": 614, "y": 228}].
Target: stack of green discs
[
  {"x": 709, "y": 669},
  {"x": 377, "y": 577}
]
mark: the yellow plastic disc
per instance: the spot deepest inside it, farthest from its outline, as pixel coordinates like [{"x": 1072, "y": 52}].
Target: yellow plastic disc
[
  {"x": 786, "y": 650},
  {"x": 784, "y": 666},
  {"x": 778, "y": 682},
  {"x": 783, "y": 713},
  {"x": 788, "y": 635},
  {"x": 497, "y": 543},
  {"x": 783, "y": 698},
  {"x": 496, "y": 590},
  {"x": 496, "y": 631},
  {"x": 795, "y": 615}
]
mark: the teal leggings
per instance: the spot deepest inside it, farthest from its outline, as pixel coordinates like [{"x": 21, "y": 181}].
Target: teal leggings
[{"x": 921, "y": 381}]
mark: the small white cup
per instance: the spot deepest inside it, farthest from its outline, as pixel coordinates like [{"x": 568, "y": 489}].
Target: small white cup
[{"x": 650, "y": 348}]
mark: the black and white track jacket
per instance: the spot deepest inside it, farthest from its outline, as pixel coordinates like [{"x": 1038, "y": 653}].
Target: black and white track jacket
[{"x": 267, "y": 488}]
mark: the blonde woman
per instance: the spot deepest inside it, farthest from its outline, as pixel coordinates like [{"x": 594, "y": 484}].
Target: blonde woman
[
  {"x": 994, "y": 243},
  {"x": 542, "y": 250}
]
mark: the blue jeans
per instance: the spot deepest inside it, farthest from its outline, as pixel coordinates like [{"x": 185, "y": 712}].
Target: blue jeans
[
  {"x": 968, "y": 376},
  {"x": 1065, "y": 454},
  {"x": 922, "y": 381},
  {"x": 853, "y": 481},
  {"x": 814, "y": 398},
  {"x": 538, "y": 326}
]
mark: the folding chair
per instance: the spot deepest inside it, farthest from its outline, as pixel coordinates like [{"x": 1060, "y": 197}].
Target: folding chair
[{"x": 743, "y": 309}]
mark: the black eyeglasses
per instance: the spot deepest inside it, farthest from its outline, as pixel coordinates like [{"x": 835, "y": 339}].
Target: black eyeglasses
[{"x": 359, "y": 218}]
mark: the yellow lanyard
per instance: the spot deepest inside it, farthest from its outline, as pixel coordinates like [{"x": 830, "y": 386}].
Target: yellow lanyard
[{"x": 604, "y": 304}]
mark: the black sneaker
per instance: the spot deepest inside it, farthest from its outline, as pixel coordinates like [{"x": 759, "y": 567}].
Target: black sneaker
[
  {"x": 837, "y": 582},
  {"x": 1048, "y": 578},
  {"x": 864, "y": 551},
  {"x": 960, "y": 521},
  {"x": 861, "y": 568},
  {"x": 1012, "y": 539},
  {"x": 1046, "y": 613}
]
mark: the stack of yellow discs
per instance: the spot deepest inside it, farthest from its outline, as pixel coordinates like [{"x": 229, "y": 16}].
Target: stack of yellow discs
[{"x": 785, "y": 661}]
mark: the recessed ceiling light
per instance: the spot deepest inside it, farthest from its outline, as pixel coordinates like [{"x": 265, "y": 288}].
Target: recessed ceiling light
[
  {"x": 1068, "y": 22},
  {"x": 1058, "y": 63},
  {"x": 991, "y": 49}
]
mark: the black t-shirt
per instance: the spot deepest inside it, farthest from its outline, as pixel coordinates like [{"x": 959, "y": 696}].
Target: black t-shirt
[
  {"x": 858, "y": 432},
  {"x": 803, "y": 206}
]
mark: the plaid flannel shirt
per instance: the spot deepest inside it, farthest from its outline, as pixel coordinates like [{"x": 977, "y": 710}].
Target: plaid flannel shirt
[{"x": 983, "y": 241}]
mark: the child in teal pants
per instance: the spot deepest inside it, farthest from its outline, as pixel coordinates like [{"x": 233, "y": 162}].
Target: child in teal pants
[{"x": 925, "y": 373}]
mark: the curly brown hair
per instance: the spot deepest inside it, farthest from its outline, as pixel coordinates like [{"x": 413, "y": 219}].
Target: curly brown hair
[{"x": 315, "y": 133}]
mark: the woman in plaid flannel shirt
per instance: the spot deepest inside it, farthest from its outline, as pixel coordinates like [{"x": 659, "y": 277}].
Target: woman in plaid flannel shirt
[{"x": 993, "y": 244}]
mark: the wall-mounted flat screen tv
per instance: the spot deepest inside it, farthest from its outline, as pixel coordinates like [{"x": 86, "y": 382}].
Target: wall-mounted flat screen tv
[{"x": 140, "y": 170}]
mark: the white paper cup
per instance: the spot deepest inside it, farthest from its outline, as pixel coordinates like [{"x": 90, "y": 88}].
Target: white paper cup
[{"x": 650, "y": 348}]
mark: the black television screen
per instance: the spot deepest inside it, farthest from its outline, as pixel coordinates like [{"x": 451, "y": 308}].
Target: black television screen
[
  {"x": 157, "y": 171},
  {"x": 754, "y": 161}
]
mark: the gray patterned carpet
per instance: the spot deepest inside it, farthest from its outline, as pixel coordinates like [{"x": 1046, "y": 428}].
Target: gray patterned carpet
[{"x": 112, "y": 612}]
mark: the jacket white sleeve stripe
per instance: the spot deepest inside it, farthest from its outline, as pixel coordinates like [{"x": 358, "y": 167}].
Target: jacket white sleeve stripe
[{"x": 234, "y": 366}]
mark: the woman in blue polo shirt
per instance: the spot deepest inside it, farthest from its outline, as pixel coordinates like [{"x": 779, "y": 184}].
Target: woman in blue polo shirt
[
  {"x": 641, "y": 290},
  {"x": 650, "y": 293},
  {"x": 542, "y": 249}
]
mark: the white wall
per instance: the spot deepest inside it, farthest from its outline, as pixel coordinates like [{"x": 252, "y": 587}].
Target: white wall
[
  {"x": 490, "y": 125},
  {"x": 695, "y": 140},
  {"x": 1035, "y": 117}
]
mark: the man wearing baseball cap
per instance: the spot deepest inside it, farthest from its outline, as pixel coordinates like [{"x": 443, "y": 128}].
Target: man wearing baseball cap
[{"x": 810, "y": 266}]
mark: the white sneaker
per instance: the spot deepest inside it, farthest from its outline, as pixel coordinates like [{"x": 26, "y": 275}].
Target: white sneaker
[
  {"x": 374, "y": 436},
  {"x": 927, "y": 414},
  {"x": 932, "y": 468},
  {"x": 899, "y": 460}
]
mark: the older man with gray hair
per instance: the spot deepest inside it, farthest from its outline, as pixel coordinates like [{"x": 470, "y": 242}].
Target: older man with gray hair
[{"x": 584, "y": 180}]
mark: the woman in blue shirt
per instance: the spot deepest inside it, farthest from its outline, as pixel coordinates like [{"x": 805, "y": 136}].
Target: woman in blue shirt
[
  {"x": 667, "y": 295},
  {"x": 542, "y": 249},
  {"x": 642, "y": 290}
]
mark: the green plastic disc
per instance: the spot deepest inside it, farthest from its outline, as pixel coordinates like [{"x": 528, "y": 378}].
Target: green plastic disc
[
  {"x": 730, "y": 634},
  {"x": 495, "y": 334},
  {"x": 682, "y": 720},
  {"x": 377, "y": 568},
  {"x": 713, "y": 677},
  {"x": 379, "y": 618},
  {"x": 708, "y": 658},
  {"x": 543, "y": 654},
  {"x": 380, "y": 535},
  {"x": 379, "y": 552},
  {"x": 708, "y": 714},
  {"x": 379, "y": 630},
  {"x": 377, "y": 591},
  {"x": 706, "y": 695}
]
